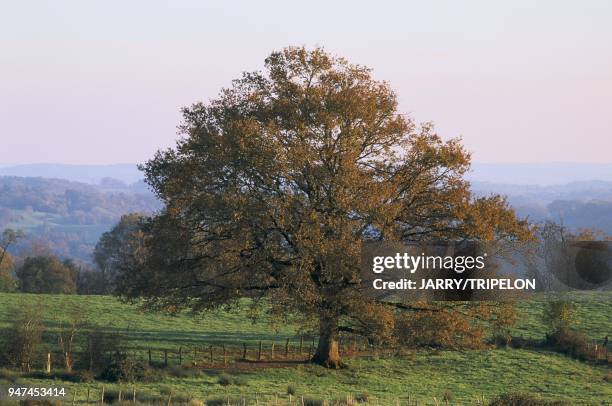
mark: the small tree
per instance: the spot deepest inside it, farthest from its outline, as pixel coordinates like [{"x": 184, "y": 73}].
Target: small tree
[
  {"x": 25, "y": 336},
  {"x": 98, "y": 345},
  {"x": 559, "y": 315},
  {"x": 7, "y": 282},
  {"x": 504, "y": 319},
  {"x": 8, "y": 237},
  {"x": 68, "y": 330}
]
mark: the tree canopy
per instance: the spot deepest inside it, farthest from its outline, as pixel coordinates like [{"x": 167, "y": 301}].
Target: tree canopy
[
  {"x": 275, "y": 186},
  {"x": 7, "y": 238},
  {"x": 7, "y": 281},
  {"x": 109, "y": 250},
  {"x": 47, "y": 274}
]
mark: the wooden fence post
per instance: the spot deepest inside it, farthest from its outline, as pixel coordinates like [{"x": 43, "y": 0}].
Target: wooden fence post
[
  {"x": 287, "y": 348},
  {"x": 211, "y": 353},
  {"x": 134, "y": 395},
  {"x": 102, "y": 398},
  {"x": 180, "y": 356},
  {"x": 195, "y": 354},
  {"x": 259, "y": 352},
  {"x": 272, "y": 352},
  {"x": 301, "y": 344},
  {"x": 244, "y": 351},
  {"x": 165, "y": 358},
  {"x": 48, "y": 363},
  {"x": 150, "y": 360}
]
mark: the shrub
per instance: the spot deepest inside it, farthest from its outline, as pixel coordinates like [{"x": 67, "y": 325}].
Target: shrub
[
  {"x": 126, "y": 369},
  {"x": 76, "y": 377},
  {"x": 99, "y": 343},
  {"x": 559, "y": 315},
  {"x": 24, "y": 337},
  {"x": 226, "y": 380},
  {"x": 182, "y": 372},
  {"x": 40, "y": 402},
  {"x": 441, "y": 329},
  {"x": 503, "y": 318},
  {"x": 222, "y": 402},
  {"x": 363, "y": 397},
  {"x": 84, "y": 377},
  {"x": 522, "y": 399},
  {"x": 291, "y": 390},
  {"x": 240, "y": 381},
  {"x": 112, "y": 397},
  {"x": 571, "y": 342},
  {"x": 502, "y": 340},
  {"x": 8, "y": 375},
  {"x": 522, "y": 342},
  {"x": 313, "y": 402}
]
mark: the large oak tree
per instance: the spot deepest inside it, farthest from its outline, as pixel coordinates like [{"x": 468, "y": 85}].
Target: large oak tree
[{"x": 275, "y": 186}]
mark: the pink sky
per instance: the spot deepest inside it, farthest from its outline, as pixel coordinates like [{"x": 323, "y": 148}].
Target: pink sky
[{"x": 102, "y": 82}]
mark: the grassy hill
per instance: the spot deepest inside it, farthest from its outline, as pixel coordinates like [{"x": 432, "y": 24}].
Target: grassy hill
[{"x": 386, "y": 377}]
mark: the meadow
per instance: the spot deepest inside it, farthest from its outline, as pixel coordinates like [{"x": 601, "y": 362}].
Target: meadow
[{"x": 382, "y": 377}]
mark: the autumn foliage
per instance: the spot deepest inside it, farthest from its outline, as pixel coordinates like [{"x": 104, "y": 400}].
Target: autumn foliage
[{"x": 275, "y": 186}]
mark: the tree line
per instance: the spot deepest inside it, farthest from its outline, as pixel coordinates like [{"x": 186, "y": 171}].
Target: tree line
[{"x": 43, "y": 272}]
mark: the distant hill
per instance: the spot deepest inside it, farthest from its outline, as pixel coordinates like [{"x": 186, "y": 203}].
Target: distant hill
[
  {"x": 65, "y": 217},
  {"x": 66, "y": 208},
  {"x": 576, "y": 204},
  {"x": 518, "y": 174},
  {"x": 93, "y": 174},
  {"x": 544, "y": 194},
  {"x": 540, "y": 174}
]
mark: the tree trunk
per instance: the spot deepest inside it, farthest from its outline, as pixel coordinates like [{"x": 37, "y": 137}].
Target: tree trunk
[
  {"x": 68, "y": 361},
  {"x": 327, "y": 350}
]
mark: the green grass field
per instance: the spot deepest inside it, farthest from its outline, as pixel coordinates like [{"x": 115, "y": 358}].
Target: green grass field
[{"x": 416, "y": 376}]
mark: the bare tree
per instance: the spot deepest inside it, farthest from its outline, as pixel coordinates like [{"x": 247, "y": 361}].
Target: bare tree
[{"x": 72, "y": 320}]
